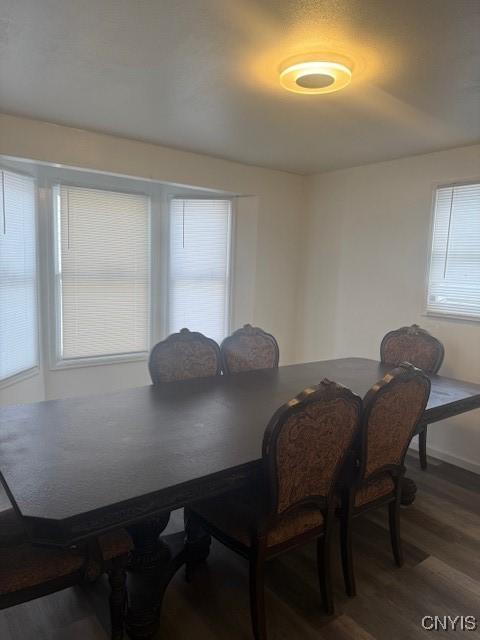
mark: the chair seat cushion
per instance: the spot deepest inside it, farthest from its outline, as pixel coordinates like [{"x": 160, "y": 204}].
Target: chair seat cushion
[
  {"x": 11, "y": 529},
  {"x": 110, "y": 545},
  {"x": 237, "y": 515},
  {"x": 25, "y": 566},
  {"x": 371, "y": 491}
]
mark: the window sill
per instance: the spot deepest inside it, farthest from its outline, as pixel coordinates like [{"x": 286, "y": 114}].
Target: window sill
[
  {"x": 73, "y": 363},
  {"x": 19, "y": 377},
  {"x": 451, "y": 316}
]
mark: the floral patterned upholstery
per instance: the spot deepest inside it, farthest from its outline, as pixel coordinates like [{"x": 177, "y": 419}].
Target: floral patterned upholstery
[
  {"x": 392, "y": 419},
  {"x": 182, "y": 356},
  {"x": 392, "y": 410},
  {"x": 373, "y": 490},
  {"x": 304, "y": 447},
  {"x": 238, "y": 515},
  {"x": 414, "y": 345},
  {"x": 310, "y": 445},
  {"x": 249, "y": 348},
  {"x": 25, "y": 566}
]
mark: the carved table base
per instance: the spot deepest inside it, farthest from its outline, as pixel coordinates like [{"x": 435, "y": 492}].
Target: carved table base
[
  {"x": 155, "y": 560},
  {"x": 197, "y": 543}
]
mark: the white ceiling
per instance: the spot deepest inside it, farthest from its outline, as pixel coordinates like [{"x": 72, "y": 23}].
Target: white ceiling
[{"x": 202, "y": 75}]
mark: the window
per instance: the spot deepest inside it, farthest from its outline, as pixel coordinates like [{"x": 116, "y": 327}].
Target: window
[
  {"x": 102, "y": 271},
  {"x": 18, "y": 279},
  {"x": 454, "y": 279},
  {"x": 199, "y": 272}
]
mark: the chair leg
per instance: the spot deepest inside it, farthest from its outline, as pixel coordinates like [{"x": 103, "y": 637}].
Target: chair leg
[
  {"x": 324, "y": 572},
  {"x": 422, "y": 447},
  {"x": 257, "y": 596},
  {"x": 118, "y": 595},
  {"x": 394, "y": 522},
  {"x": 347, "y": 550}
]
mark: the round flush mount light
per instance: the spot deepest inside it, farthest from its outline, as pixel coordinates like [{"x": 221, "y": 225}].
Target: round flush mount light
[{"x": 315, "y": 73}]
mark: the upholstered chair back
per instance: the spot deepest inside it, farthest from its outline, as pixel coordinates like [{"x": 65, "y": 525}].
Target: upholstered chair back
[
  {"x": 184, "y": 355},
  {"x": 249, "y": 348},
  {"x": 414, "y": 345},
  {"x": 305, "y": 445},
  {"x": 392, "y": 410}
]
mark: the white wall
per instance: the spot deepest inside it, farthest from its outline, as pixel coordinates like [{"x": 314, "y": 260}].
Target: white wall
[
  {"x": 266, "y": 254},
  {"x": 368, "y": 237},
  {"x": 327, "y": 263}
]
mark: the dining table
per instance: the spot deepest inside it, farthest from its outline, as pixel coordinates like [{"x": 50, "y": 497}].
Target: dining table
[{"x": 77, "y": 467}]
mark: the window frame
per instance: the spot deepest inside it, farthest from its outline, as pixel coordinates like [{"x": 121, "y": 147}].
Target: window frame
[
  {"x": 30, "y": 372},
  {"x": 445, "y": 315},
  {"x": 229, "y": 307},
  {"x": 45, "y": 176},
  {"x": 56, "y": 361}
]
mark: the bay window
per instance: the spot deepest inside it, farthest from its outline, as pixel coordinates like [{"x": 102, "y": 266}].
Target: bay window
[
  {"x": 18, "y": 275},
  {"x": 122, "y": 265},
  {"x": 199, "y": 266},
  {"x": 102, "y": 273}
]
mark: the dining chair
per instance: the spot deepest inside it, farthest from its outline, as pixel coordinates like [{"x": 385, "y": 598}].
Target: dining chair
[
  {"x": 184, "y": 355},
  {"x": 249, "y": 348},
  {"x": 293, "y": 501},
  {"x": 420, "y": 348},
  {"x": 29, "y": 571},
  {"x": 393, "y": 408}
]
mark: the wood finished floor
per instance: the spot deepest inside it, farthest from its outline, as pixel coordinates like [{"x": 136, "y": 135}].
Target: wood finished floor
[{"x": 441, "y": 576}]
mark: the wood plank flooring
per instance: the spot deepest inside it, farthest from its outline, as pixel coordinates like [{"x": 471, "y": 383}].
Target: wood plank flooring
[{"x": 441, "y": 576}]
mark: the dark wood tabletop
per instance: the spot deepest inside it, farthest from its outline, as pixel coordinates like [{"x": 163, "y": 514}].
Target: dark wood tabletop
[{"x": 76, "y": 467}]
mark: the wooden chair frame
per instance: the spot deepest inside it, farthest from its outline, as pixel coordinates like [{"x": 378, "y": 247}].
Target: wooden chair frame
[
  {"x": 259, "y": 552},
  {"x": 415, "y": 330},
  {"x": 400, "y": 375},
  {"x": 92, "y": 566}
]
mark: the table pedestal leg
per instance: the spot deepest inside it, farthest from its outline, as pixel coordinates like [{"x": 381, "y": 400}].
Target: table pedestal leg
[
  {"x": 155, "y": 560},
  {"x": 197, "y": 543}
]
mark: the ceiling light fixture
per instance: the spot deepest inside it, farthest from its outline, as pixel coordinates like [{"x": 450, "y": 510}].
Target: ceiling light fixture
[{"x": 315, "y": 73}]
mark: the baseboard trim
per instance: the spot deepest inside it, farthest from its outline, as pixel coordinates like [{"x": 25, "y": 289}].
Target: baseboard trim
[{"x": 474, "y": 467}]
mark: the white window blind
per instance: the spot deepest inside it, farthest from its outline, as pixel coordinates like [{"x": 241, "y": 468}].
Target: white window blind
[
  {"x": 454, "y": 279},
  {"x": 199, "y": 272},
  {"x": 18, "y": 286},
  {"x": 102, "y": 273}
]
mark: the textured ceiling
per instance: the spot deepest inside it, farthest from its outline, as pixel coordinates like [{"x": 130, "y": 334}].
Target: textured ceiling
[{"x": 202, "y": 75}]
